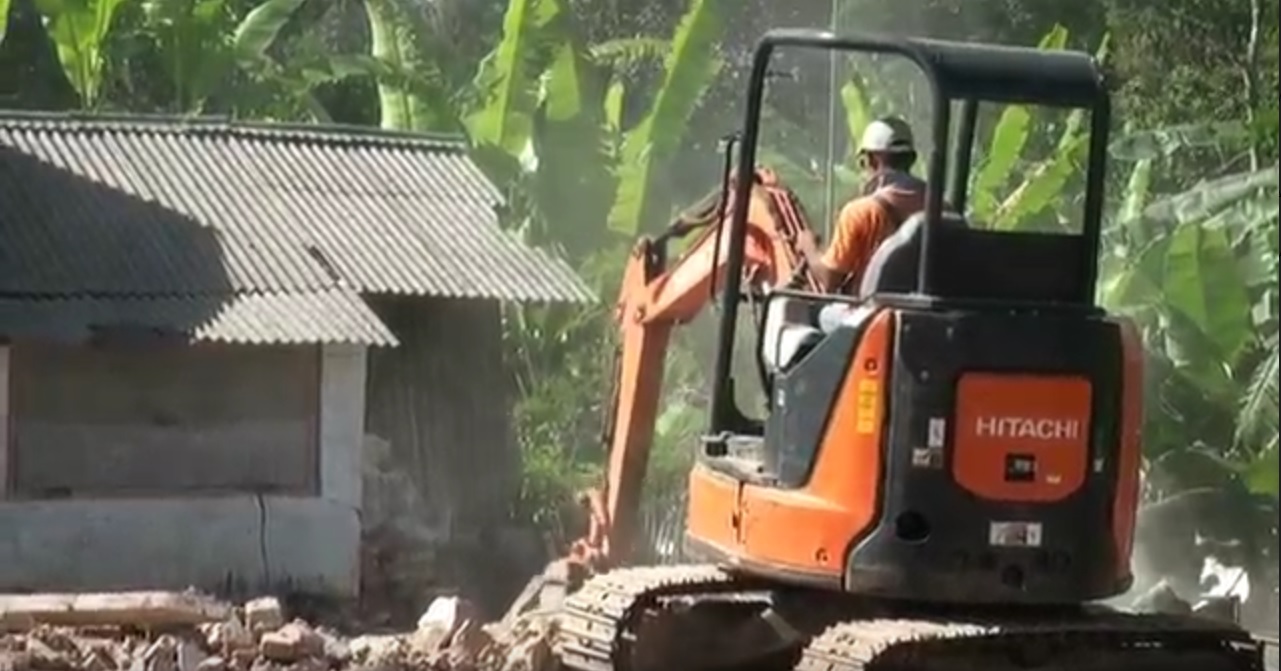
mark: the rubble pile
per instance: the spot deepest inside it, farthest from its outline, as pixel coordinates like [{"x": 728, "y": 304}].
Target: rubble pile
[{"x": 259, "y": 637}]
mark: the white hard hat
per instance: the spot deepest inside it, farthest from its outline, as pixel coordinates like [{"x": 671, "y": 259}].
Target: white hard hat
[{"x": 888, "y": 135}]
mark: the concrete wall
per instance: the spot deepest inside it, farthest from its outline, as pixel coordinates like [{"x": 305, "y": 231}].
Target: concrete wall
[
  {"x": 160, "y": 420},
  {"x": 227, "y": 541}
]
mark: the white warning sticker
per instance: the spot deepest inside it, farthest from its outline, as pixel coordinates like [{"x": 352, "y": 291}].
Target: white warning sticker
[
  {"x": 937, "y": 432},
  {"x": 1014, "y": 534}
]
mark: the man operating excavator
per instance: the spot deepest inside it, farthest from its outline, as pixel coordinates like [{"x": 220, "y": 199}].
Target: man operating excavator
[{"x": 891, "y": 194}]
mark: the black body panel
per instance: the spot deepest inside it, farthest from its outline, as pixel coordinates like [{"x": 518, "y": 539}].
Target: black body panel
[
  {"x": 1077, "y": 560},
  {"x": 983, "y": 265},
  {"x": 801, "y": 403}
]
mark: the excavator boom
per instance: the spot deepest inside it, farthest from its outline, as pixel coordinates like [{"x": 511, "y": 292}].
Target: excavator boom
[{"x": 655, "y": 296}]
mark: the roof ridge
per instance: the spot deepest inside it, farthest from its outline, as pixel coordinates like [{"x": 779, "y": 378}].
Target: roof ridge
[{"x": 334, "y": 133}]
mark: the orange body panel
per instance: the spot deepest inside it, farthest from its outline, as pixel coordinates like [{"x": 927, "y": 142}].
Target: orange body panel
[
  {"x": 1044, "y": 418},
  {"x": 713, "y": 508},
  {"x": 1125, "y": 507},
  {"x": 807, "y": 530}
]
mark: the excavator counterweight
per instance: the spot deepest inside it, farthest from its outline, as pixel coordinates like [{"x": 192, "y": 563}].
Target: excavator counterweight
[{"x": 946, "y": 476}]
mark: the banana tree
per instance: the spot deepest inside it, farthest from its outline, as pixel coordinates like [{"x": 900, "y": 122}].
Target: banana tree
[
  {"x": 1012, "y": 191},
  {"x": 548, "y": 118},
  {"x": 549, "y": 115},
  {"x": 1197, "y": 270},
  {"x": 79, "y": 29},
  {"x": 643, "y": 195},
  {"x": 410, "y": 92}
]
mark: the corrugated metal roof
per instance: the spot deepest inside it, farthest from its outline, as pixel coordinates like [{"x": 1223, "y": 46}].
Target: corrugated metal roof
[
  {"x": 297, "y": 318},
  {"x": 141, "y": 206}
]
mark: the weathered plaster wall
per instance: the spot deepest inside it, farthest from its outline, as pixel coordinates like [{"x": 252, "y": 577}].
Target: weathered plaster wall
[
  {"x": 149, "y": 421},
  {"x": 238, "y": 542},
  {"x": 443, "y": 400},
  {"x": 440, "y": 412}
]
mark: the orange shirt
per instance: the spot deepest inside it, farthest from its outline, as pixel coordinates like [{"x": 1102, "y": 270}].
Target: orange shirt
[{"x": 865, "y": 222}]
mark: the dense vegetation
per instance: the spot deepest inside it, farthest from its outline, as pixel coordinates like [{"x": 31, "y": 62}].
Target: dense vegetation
[{"x": 597, "y": 118}]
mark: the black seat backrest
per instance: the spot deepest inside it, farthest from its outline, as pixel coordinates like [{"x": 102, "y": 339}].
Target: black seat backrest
[
  {"x": 893, "y": 266},
  {"x": 978, "y": 264}
]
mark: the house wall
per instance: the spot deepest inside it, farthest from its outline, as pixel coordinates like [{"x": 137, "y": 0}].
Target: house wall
[
  {"x": 443, "y": 401},
  {"x": 139, "y": 420},
  {"x": 213, "y": 537}
]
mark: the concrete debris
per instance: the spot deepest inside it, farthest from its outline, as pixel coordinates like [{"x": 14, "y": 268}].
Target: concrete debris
[
  {"x": 264, "y": 614},
  {"x": 290, "y": 643},
  {"x": 138, "y": 609},
  {"x": 260, "y": 637}
]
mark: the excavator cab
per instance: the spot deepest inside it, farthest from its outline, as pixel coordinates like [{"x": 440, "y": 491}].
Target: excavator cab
[{"x": 964, "y": 430}]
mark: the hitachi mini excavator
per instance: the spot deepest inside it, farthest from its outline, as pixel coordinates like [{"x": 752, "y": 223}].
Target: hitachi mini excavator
[{"x": 947, "y": 475}]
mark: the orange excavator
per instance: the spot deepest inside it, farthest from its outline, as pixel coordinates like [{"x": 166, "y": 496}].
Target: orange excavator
[{"x": 947, "y": 473}]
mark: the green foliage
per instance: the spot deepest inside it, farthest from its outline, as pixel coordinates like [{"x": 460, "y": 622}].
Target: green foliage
[
  {"x": 689, "y": 69},
  {"x": 509, "y": 76},
  {"x": 4, "y": 19},
  {"x": 415, "y": 99},
  {"x": 858, "y": 111},
  {"x": 255, "y": 36},
  {"x": 197, "y": 53},
  {"x": 622, "y": 53},
  {"x": 576, "y": 146},
  {"x": 79, "y": 30},
  {"x": 261, "y": 27},
  {"x": 1197, "y": 270},
  {"x": 1009, "y": 191}
]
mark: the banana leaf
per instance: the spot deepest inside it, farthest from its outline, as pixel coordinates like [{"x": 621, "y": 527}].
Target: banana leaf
[{"x": 689, "y": 69}]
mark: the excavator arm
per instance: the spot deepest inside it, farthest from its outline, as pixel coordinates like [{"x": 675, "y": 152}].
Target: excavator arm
[{"x": 654, "y": 298}]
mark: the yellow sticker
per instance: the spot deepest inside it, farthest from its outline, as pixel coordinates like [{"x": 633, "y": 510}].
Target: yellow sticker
[{"x": 868, "y": 406}]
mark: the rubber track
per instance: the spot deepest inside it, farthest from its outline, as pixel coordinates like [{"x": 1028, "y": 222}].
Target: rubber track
[
  {"x": 597, "y": 628},
  {"x": 597, "y": 622},
  {"x": 889, "y": 643}
]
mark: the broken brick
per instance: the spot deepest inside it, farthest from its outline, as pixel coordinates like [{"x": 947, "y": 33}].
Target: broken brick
[
  {"x": 291, "y": 643},
  {"x": 214, "y": 663},
  {"x": 264, "y": 614}
]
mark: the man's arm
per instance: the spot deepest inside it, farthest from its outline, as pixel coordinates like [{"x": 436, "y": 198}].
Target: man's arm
[
  {"x": 832, "y": 267},
  {"x": 828, "y": 278}
]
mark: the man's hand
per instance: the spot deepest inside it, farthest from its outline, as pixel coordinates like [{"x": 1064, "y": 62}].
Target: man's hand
[{"x": 807, "y": 243}]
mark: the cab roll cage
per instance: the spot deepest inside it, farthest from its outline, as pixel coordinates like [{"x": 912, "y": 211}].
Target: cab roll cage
[{"x": 956, "y": 71}]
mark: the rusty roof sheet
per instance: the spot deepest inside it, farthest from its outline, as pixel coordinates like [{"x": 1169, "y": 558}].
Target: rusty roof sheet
[
  {"x": 297, "y": 318},
  {"x": 144, "y": 207}
]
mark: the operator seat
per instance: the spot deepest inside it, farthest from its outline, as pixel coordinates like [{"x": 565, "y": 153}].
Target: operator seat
[
  {"x": 895, "y": 263},
  {"x": 794, "y": 327},
  {"x": 891, "y": 270},
  {"x": 998, "y": 267},
  {"x": 787, "y": 332}
]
